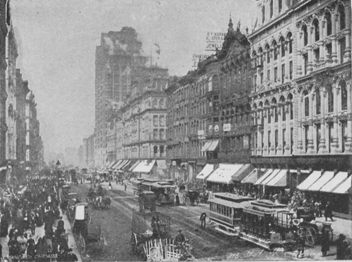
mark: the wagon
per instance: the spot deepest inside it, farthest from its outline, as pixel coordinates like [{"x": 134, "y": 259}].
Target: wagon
[
  {"x": 147, "y": 201},
  {"x": 86, "y": 231},
  {"x": 314, "y": 231},
  {"x": 150, "y": 237}
]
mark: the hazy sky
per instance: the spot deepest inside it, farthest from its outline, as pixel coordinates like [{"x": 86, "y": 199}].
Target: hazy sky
[{"x": 57, "y": 40}]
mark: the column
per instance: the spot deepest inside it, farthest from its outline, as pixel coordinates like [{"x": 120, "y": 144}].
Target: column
[
  {"x": 272, "y": 65},
  {"x": 300, "y": 132},
  {"x": 347, "y": 56},
  {"x": 335, "y": 140},
  {"x": 280, "y": 147},
  {"x": 311, "y": 127},
  {"x": 334, "y": 40},
  {"x": 288, "y": 128},
  {"x": 348, "y": 146},
  {"x": 322, "y": 143},
  {"x": 272, "y": 133},
  {"x": 321, "y": 43},
  {"x": 287, "y": 64},
  {"x": 310, "y": 50},
  {"x": 265, "y": 129}
]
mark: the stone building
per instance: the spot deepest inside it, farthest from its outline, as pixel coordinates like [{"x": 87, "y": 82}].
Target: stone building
[
  {"x": 118, "y": 54},
  {"x": 88, "y": 152},
  {"x": 144, "y": 115},
  {"x": 4, "y": 28},
  {"x": 209, "y": 116}
]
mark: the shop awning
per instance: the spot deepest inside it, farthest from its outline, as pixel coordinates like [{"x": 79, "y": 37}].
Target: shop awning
[
  {"x": 263, "y": 177},
  {"x": 116, "y": 164},
  {"x": 213, "y": 145},
  {"x": 335, "y": 182},
  {"x": 251, "y": 177},
  {"x": 206, "y": 145},
  {"x": 134, "y": 165},
  {"x": 120, "y": 165},
  {"x": 111, "y": 164},
  {"x": 309, "y": 180},
  {"x": 345, "y": 186},
  {"x": 223, "y": 174},
  {"x": 206, "y": 171},
  {"x": 270, "y": 177},
  {"x": 280, "y": 180},
  {"x": 242, "y": 172},
  {"x": 125, "y": 165},
  {"x": 326, "y": 177},
  {"x": 144, "y": 166}
]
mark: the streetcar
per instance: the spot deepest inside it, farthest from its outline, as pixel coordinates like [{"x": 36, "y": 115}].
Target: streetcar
[
  {"x": 226, "y": 212},
  {"x": 267, "y": 224},
  {"x": 164, "y": 191}
]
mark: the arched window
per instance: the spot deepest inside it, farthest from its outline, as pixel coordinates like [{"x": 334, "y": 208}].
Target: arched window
[
  {"x": 275, "y": 50},
  {"x": 342, "y": 85},
  {"x": 267, "y": 49},
  {"x": 328, "y": 23},
  {"x": 289, "y": 37},
  {"x": 280, "y": 5},
  {"x": 306, "y": 103},
  {"x": 282, "y": 42},
  {"x": 271, "y": 8},
  {"x": 317, "y": 102},
  {"x": 342, "y": 17},
  {"x": 330, "y": 99},
  {"x": 263, "y": 14},
  {"x": 305, "y": 35},
  {"x": 216, "y": 82},
  {"x": 316, "y": 29}
]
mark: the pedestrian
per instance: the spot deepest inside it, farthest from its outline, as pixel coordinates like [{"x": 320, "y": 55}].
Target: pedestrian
[
  {"x": 325, "y": 243},
  {"x": 110, "y": 186},
  {"x": 177, "y": 200},
  {"x": 125, "y": 186},
  {"x": 202, "y": 219},
  {"x": 300, "y": 243},
  {"x": 71, "y": 257},
  {"x": 328, "y": 211},
  {"x": 317, "y": 208},
  {"x": 180, "y": 238},
  {"x": 341, "y": 247}
]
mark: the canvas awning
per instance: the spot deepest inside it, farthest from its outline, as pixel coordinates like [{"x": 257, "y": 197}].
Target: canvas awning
[
  {"x": 251, "y": 177},
  {"x": 116, "y": 164},
  {"x": 317, "y": 185},
  {"x": 206, "y": 145},
  {"x": 120, "y": 165},
  {"x": 270, "y": 177},
  {"x": 206, "y": 171},
  {"x": 263, "y": 177},
  {"x": 111, "y": 164},
  {"x": 280, "y": 180},
  {"x": 125, "y": 165},
  {"x": 344, "y": 187},
  {"x": 213, "y": 145},
  {"x": 242, "y": 172},
  {"x": 223, "y": 174},
  {"x": 145, "y": 166},
  {"x": 314, "y": 176},
  {"x": 134, "y": 165},
  {"x": 335, "y": 182}
]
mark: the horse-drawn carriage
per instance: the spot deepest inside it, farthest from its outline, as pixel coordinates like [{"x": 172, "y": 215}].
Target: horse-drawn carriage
[
  {"x": 98, "y": 198},
  {"x": 154, "y": 242},
  {"x": 147, "y": 201},
  {"x": 87, "y": 233}
]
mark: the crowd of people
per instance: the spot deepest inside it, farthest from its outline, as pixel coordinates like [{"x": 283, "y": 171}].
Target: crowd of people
[{"x": 23, "y": 212}]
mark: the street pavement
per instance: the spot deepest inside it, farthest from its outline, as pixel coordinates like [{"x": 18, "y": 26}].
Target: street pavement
[{"x": 39, "y": 232}]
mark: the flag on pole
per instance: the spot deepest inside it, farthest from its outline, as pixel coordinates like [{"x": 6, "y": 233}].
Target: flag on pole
[{"x": 157, "y": 48}]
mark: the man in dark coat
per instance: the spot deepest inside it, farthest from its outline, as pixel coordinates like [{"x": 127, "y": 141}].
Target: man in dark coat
[
  {"x": 328, "y": 211},
  {"x": 202, "y": 219},
  {"x": 325, "y": 243}
]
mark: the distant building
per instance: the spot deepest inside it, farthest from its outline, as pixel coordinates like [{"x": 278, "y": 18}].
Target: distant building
[
  {"x": 71, "y": 156},
  {"x": 118, "y": 54}
]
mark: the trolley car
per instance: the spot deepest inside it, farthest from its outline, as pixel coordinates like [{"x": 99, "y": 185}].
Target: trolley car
[
  {"x": 164, "y": 191},
  {"x": 226, "y": 211},
  {"x": 267, "y": 224}
]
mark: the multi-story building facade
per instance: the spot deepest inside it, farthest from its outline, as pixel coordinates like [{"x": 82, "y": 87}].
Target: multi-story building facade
[
  {"x": 144, "y": 115},
  {"x": 209, "y": 117},
  {"x": 11, "y": 57},
  {"x": 88, "y": 152},
  {"x": 118, "y": 54},
  {"x": 4, "y": 25},
  {"x": 20, "y": 117},
  {"x": 302, "y": 97}
]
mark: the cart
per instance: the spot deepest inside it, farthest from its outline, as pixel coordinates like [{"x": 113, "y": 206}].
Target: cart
[
  {"x": 191, "y": 197},
  {"x": 313, "y": 231},
  {"x": 86, "y": 232},
  {"x": 151, "y": 239},
  {"x": 147, "y": 201}
]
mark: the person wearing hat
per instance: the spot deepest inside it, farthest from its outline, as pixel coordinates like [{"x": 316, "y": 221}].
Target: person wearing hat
[
  {"x": 325, "y": 243},
  {"x": 71, "y": 257},
  {"x": 180, "y": 238}
]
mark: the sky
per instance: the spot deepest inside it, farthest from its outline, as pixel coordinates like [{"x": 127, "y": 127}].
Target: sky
[{"x": 57, "y": 40}]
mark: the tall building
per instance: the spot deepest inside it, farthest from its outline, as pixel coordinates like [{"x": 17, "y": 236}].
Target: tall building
[
  {"x": 118, "y": 54},
  {"x": 4, "y": 25},
  {"x": 302, "y": 103},
  {"x": 209, "y": 116},
  {"x": 11, "y": 57}
]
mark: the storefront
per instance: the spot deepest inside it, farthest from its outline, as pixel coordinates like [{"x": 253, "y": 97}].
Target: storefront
[{"x": 205, "y": 173}]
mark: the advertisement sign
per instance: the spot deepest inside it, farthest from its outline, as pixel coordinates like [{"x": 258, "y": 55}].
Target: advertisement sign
[
  {"x": 227, "y": 127},
  {"x": 214, "y": 41},
  {"x": 245, "y": 142},
  {"x": 197, "y": 59},
  {"x": 201, "y": 134}
]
